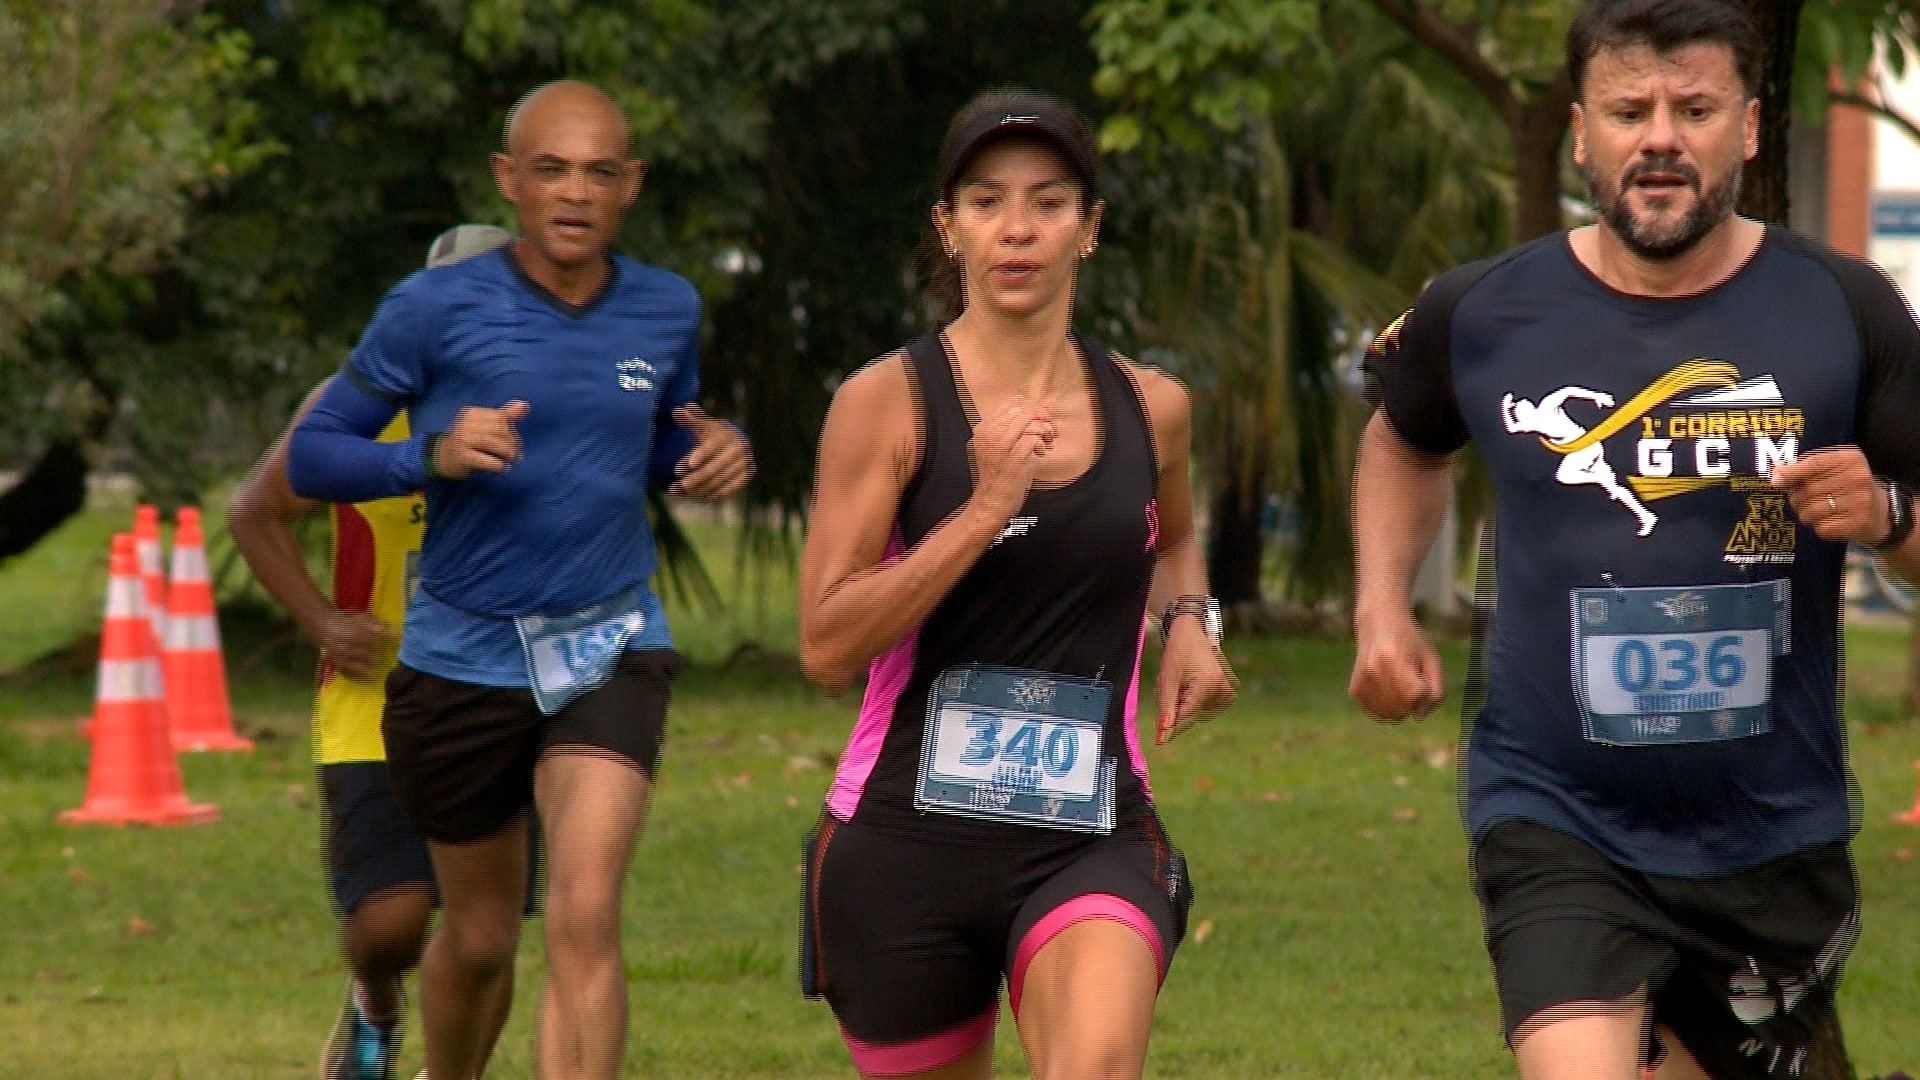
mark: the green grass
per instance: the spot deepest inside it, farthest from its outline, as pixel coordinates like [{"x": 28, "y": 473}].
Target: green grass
[
  {"x": 57, "y": 591},
  {"x": 1334, "y": 932}
]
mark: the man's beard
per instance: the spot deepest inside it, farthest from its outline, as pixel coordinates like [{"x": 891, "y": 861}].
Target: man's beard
[{"x": 1662, "y": 243}]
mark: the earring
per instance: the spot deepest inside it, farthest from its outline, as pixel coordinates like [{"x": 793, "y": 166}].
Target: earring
[{"x": 1087, "y": 252}]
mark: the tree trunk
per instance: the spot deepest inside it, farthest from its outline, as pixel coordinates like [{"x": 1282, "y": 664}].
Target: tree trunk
[
  {"x": 1233, "y": 538},
  {"x": 1537, "y": 130},
  {"x": 53, "y": 489},
  {"x": 1763, "y": 193}
]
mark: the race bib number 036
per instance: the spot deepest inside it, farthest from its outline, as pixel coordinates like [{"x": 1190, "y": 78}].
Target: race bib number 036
[
  {"x": 1017, "y": 746},
  {"x": 1677, "y": 665}
]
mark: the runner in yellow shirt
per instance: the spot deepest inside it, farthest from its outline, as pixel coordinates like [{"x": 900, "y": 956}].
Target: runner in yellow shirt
[{"x": 378, "y": 872}]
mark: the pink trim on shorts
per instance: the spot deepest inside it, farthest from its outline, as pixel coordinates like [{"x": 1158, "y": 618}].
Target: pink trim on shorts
[
  {"x": 1079, "y": 910},
  {"x": 1139, "y": 760},
  {"x": 906, "y": 1059},
  {"x": 886, "y": 679}
]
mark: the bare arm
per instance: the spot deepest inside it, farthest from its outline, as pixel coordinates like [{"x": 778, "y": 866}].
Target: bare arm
[
  {"x": 854, "y": 603},
  {"x": 1399, "y": 500},
  {"x": 261, "y": 518},
  {"x": 1905, "y": 559},
  {"x": 1194, "y": 677},
  {"x": 1858, "y": 513},
  {"x": 1179, "y": 564}
]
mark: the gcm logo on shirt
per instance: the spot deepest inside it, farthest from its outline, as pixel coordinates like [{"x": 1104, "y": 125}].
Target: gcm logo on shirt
[{"x": 1707, "y": 431}]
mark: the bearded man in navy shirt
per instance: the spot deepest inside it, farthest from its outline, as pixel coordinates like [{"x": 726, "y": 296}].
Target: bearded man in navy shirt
[{"x": 1685, "y": 416}]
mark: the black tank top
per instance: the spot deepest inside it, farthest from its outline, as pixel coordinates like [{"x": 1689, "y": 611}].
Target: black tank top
[{"x": 1063, "y": 590}]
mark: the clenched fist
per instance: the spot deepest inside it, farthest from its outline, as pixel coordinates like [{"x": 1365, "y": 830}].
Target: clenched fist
[
  {"x": 1834, "y": 492},
  {"x": 480, "y": 440},
  {"x": 1007, "y": 448},
  {"x": 1396, "y": 672},
  {"x": 720, "y": 462}
]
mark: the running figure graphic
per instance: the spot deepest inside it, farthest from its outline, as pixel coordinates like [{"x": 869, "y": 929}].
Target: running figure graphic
[{"x": 1587, "y": 465}]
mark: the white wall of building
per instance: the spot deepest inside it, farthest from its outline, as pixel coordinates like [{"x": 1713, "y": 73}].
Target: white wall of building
[{"x": 1895, "y": 242}]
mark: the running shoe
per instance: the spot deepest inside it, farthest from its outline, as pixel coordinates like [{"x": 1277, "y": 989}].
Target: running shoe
[{"x": 358, "y": 1048}]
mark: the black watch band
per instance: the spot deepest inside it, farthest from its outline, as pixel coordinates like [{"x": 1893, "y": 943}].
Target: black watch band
[
  {"x": 1899, "y": 516},
  {"x": 430, "y": 448}
]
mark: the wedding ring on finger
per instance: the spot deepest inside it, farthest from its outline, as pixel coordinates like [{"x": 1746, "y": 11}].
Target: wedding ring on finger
[{"x": 1831, "y": 505}]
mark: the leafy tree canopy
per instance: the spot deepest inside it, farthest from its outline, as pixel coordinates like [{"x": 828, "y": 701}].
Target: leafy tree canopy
[{"x": 120, "y": 114}]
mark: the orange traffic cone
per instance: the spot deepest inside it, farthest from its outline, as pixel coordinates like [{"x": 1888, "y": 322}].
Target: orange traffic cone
[
  {"x": 146, "y": 544},
  {"x": 1912, "y": 817},
  {"x": 198, "y": 713},
  {"x": 134, "y": 777}
]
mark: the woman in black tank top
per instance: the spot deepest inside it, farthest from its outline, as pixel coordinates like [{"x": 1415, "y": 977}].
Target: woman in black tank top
[{"x": 997, "y": 509}]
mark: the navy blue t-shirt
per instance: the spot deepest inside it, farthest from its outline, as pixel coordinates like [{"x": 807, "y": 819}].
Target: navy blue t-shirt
[
  {"x": 566, "y": 526},
  {"x": 1662, "y": 663}
]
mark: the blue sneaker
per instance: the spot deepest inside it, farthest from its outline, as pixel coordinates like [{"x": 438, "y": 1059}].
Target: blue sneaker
[{"x": 358, "y": 1048}]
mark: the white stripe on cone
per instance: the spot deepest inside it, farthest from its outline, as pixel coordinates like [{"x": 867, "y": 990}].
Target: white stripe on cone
[
  {"x": 123, "y": 681},
  {"x": 189, "y": 564},
  {"x": 148, "y": 552},
  {"x": 192, "y": 633},
  {"x": 126, "y": 599}
]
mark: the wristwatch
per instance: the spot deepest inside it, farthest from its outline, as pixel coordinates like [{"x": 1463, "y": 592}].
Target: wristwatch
[
  {"x": 1899, "y": 516},
  {"x": 1204, "y": 606}
]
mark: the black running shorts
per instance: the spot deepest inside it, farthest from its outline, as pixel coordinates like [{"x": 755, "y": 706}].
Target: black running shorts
[
  {"x": 370, "y": 847},
  {"x": 1742, "y": 968},
  {"x": 909, "y": 938},
  {"x": 462, "y": 756},
  {"x": 369, "y": 844}
]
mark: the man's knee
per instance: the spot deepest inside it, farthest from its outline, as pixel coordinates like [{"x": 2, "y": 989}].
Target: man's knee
[
  {"x": 384, "y": 955},
  {"x": 481, "y": 946},
  {"x": 383, "y": 937},
  {"x": 583, "y": 913}
]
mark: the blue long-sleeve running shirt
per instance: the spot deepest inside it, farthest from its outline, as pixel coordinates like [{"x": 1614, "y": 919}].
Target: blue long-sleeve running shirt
[{"x": 566, "y": 525}]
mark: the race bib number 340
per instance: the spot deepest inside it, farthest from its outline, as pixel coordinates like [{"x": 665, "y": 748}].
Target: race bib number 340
[
  {"x": 1667, "y": 665},
  {"x": 1017, "y": 746}
]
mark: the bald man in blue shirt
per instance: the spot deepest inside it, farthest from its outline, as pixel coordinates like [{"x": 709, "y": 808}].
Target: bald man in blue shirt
[{"x": 549, "y": 384}]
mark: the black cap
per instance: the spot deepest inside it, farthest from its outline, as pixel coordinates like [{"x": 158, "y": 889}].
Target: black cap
[{"x": 1020, "y": 114}]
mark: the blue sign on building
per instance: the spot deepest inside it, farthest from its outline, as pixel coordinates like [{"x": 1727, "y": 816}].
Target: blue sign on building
[{"x": 1897, "y": 215}]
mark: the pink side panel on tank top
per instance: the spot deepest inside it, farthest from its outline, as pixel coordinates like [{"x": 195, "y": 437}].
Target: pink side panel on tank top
[
  {"x": 886, "y": 678},
  {"x": 1133, "y": 707}
]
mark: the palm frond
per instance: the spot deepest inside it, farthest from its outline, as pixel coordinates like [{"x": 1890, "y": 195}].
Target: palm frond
[{"x": 683, "y": 577}]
